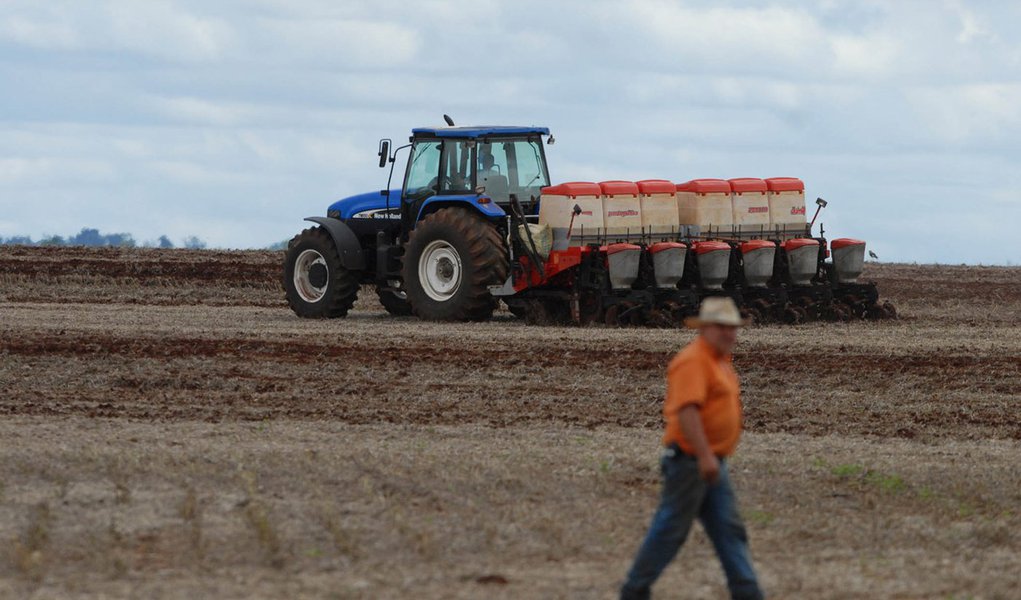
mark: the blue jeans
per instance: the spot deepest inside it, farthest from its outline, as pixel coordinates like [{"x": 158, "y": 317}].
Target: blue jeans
[{"x": 686, "y": 496}]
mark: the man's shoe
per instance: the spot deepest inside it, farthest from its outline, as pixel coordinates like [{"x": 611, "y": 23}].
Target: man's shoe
[{"x": 629, "y": 594}]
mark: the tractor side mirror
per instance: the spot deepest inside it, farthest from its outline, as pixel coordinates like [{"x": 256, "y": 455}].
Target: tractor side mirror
[
  {"x": 577, "y": 210},
  {"x": 384, "y": 152},
  {"x": 822, "y": 203}
]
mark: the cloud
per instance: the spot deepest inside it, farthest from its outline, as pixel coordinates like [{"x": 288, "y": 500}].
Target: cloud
[
  {"x": 233, "y": 120},
  {"x": 974, "y": 114},
  {"x": 732, "y": 38},
  {"x": 359, "y": 44},
  {"x": 151, "y": 29},
  {"x": 38, "y": 172},
  {"x": 38, "y": 34},
  {"x": 159, "y": 29}
]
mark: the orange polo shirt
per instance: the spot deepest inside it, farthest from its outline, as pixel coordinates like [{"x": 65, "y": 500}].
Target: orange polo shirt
[{"x": 698, "y": 375}]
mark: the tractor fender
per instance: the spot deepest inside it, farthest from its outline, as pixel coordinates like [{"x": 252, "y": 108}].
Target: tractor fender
[
  {"x": 350, "y": 251},
  {"x": 488, "y": 209}
]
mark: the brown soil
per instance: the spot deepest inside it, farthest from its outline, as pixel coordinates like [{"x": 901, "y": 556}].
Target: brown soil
[{"x": 145, "y": 387}]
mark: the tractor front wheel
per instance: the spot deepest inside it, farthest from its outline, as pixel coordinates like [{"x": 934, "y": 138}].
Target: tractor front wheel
[
  {"x": 317, "y": 286},
  {"x": 394, "y": 300},
  {"x": 451, "y": 259}
]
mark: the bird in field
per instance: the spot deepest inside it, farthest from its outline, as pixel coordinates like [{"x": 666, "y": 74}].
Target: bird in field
[{"x": 873, "y": 255}]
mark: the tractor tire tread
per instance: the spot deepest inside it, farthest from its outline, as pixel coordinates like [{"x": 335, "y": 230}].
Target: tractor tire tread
[
  {"x": 486, "y": 253},
  {"x": 343, "y": 284}
]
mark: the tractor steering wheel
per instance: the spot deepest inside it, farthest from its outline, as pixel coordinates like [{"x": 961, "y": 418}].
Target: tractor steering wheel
[
  {"x": 438, "y": 183},
  {"x": 430, "y": 190},
  {"x": 443, "y": 181}
]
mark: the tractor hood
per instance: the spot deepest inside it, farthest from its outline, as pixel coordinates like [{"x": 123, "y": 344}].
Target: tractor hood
[{"x": 370, "y": 205}]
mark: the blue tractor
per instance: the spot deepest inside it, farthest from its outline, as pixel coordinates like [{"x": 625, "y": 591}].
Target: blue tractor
[{"x": 435, "y": 246}]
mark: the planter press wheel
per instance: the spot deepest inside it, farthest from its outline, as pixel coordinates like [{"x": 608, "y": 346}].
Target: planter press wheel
[{"x": 623, "y": 314}]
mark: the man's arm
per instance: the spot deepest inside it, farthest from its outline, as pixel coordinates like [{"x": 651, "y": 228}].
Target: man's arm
[{"x": 694, "y": 433}]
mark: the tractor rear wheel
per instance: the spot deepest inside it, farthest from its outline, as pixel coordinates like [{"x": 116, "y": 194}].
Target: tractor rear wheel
[
  {"x": 450, "y": 260},
  {"x": 317, "y": 286}
]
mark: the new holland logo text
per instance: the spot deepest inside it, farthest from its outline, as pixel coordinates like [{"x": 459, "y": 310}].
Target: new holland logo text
[
  {"x": 379, "y": 213},
  {"x": 758, "y": 209},
  {"x": 622, "y": 213},
  {"x": 798, "y": 210}
]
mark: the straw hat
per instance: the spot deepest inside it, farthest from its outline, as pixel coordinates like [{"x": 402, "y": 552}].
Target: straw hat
[{"x": 717, "y": 310}]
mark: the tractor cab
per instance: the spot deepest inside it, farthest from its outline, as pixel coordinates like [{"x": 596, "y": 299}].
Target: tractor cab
[{"x": 480, "y": 165}]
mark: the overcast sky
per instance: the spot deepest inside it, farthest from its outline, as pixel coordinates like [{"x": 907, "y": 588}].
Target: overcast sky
[{"x": 233, "y": 120}]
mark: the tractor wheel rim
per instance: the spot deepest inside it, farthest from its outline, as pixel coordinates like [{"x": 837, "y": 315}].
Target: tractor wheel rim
[
  {"x": 303, "y": 266},
  {"x": 439, "y": 271}
]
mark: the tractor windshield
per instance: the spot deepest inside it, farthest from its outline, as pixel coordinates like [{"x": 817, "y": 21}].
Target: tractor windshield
[
  {"x": 512, "y": 167},
  {"x": 423, "y": 170},
  {"x": 440, "y": 167}
]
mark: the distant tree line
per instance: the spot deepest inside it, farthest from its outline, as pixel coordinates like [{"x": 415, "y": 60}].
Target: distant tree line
[{"x": 93, "y": 238}]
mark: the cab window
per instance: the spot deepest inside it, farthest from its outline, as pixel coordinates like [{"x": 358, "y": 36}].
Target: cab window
[
  {"x": 531, "y": 172},
  {"x": 457, "y": 170},
  {"x": 423, "y": 170},
  {"x": 511, "y": 167},
  {"x": 492, "y": 173}
]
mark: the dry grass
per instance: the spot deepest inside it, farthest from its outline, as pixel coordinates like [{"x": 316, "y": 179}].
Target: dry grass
[
  {"x": 384, "y": 511},
  {"x": 29, "y": 557},
  {"x": 191, "y": 513}
]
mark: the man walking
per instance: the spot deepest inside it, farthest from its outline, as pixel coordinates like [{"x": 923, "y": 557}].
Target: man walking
[{"x": 703, "y": 424}]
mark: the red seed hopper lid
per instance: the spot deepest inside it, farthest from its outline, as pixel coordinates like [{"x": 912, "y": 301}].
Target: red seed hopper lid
[
  {"x": 573, "y": 189},
  {"x": 844, "y": 242},
  {"x": 741, "y": 185},
  {"x": 656, "y": 186},
  {"x": 615, "y": 248},
  {"x": 618, "y": 188},
  {"x": 785, "y": 184},
  {"x": 753, "y": 245},
  {"x": 705, "y": 186},
  {"x": 710, "y": 246},
  {"x": 661, "y": 246},
  {"x": 799, "y": 243}
]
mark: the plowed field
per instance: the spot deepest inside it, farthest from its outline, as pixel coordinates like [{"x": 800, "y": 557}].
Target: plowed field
[{"x": 171, "y": 429}]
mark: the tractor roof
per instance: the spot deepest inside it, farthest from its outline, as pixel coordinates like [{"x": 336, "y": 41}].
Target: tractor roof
[{"x": 477, "y": 132}]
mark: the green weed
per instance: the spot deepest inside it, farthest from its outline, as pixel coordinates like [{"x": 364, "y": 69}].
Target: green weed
[
  {"x": 759, "y": 517},
  {"x": 847, "y": 471},
  {"x": 891, "y": 484}
]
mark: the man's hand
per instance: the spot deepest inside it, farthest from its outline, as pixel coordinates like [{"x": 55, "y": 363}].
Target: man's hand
[{"x": 709, "y": 467}]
